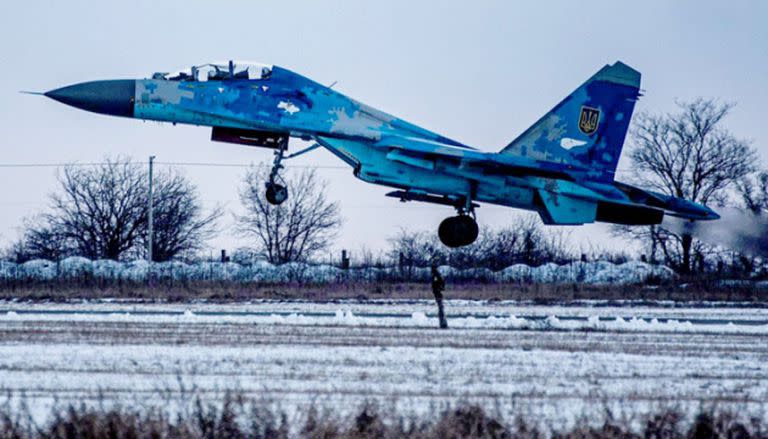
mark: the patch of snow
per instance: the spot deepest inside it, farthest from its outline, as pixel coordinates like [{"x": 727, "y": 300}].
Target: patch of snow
[
  {"x": 598, "y": 272},
  {"x": 416, "y": 319},
  {"x": 39, "y": 269}
]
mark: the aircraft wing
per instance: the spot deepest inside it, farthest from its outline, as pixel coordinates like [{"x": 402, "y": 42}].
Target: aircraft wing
[{"x": 426, "y": 154}]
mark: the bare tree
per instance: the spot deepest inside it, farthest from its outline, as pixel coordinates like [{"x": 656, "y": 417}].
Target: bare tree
[
  {"x": 415, "y": 248},
  {"x": 687, "y": 154},
  {"x": 305, "y": 224},
  {"x": 180, "y": 225},
  {"x": 524, "y": 240},
  {"x": 42, "y": 240},
  {"x": 754, "y": 191},
  {"x": 101, "y": 212}
]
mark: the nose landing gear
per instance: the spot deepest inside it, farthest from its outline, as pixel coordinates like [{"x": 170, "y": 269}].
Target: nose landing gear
[{"x": 276, "y": 193}]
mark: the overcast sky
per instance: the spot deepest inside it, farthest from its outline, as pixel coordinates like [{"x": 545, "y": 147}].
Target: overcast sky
[{"x": 480, "y": 72}]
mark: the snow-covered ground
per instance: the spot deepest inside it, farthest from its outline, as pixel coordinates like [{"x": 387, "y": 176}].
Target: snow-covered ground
[
  {"x": 596, "y": 272},
  {"x": 661, "y": 316},
  {"x": 555, "y": 363}
]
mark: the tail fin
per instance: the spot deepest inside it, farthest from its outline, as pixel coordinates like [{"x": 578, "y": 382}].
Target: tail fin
[{"x": 587, "y": 129}]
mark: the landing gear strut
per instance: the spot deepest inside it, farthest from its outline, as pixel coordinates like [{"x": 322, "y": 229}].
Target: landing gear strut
[
  {"x": 276, "y": 192},
  {"x": 459, "y": 230}
]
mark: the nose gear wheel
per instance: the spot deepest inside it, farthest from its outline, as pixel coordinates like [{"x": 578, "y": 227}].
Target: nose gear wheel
[{"x": 276, "y": 193}]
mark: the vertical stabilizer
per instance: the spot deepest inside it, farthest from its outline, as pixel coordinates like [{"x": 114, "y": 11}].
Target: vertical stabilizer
[{"x": 587, "y": 129}]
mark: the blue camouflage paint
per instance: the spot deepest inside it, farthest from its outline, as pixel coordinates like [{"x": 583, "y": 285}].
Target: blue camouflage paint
[
  {"x": 563, "y": 166},
  {"x": 556, "y": 137}
]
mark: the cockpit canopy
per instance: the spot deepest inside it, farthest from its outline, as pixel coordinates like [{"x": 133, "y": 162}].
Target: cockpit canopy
[{"x": 219, "y": 71}]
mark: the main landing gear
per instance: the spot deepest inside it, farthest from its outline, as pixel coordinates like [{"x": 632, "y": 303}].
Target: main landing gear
[
  {"x": 455, "y": 231},
  {"x": 460, "y": 230}
]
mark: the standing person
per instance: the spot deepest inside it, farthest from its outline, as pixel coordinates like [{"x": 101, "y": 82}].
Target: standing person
[{"x": 438, "y": 285}]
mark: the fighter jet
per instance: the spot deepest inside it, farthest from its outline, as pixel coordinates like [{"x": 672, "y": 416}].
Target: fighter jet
[{"x": 562, "y": 167}]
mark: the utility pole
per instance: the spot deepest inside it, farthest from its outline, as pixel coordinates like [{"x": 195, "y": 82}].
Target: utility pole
[{"x": 151, "y": 213}]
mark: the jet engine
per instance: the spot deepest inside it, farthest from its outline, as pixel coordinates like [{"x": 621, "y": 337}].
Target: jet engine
[{"x": 629, "y": 215}]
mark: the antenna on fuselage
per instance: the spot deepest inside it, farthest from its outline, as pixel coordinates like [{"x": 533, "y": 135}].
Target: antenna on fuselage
[{"x": 334, "y": 83}]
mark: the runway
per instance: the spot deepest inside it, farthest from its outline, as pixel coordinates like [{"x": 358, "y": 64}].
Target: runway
[
  {"x": 323, "y": 316},
  {"x": 555, "y": 362}
]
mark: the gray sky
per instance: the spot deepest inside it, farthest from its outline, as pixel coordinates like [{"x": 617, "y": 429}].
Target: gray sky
[{"x": 480, "y": 72}]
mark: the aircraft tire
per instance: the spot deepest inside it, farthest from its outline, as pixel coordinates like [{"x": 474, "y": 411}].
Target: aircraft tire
[
  {"x": 276, "y": 193},
  {"x": 458, "y": 231}
]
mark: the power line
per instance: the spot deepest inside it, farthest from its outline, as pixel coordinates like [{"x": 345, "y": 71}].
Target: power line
[
  {"x": 190, "y": 164},
  {"x": 240, "y": 165},
  {"x": 46, "y": 165}
]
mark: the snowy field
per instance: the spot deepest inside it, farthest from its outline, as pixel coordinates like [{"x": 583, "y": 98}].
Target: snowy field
[{"x": 555, "y": 363}]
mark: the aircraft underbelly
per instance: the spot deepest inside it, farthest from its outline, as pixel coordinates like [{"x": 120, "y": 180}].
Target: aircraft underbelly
[
  {"x": 552, "y": 199},
  {"x": 372, "y": 165}
]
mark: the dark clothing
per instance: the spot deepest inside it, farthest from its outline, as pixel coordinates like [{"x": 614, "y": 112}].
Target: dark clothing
[{"x": 438, "y": 285}]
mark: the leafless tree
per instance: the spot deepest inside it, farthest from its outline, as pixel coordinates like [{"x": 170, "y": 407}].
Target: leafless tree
[
  {"x": 42, "y": 240},
  {"x": 181, "y": 227},
  {"x": 415, "y": 248},
  {"x": 687, "y": 154},
  {"x": 101, "y": 212},
  {"x": 754, "y": 191},
  {"x": 305, "y": 224},
  {"x": 524, "y": 240}
]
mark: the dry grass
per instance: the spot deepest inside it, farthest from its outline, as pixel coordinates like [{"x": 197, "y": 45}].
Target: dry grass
[
  {"x": 237, "y": 420},
  {"x": 696, "y": 290}
]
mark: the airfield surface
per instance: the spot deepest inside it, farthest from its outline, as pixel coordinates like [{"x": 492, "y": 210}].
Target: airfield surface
[{"x": 557, "y": 363}]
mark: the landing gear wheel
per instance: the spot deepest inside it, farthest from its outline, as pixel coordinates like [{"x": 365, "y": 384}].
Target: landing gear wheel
[
  {"x": 458, "y": 231},
  {"x": 276, "y": 193}
]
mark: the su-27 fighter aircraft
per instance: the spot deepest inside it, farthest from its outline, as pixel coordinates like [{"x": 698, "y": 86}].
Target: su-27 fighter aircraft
[{"x": 561, "y": 167}]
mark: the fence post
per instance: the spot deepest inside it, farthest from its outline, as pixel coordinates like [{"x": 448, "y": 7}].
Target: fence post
[
  {"x": 344, "y": 260},
  {"x": 150, "y": 221}
]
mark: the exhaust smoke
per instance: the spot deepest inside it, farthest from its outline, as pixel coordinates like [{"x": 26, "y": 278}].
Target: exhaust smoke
[{"x": 737, "y": 229}]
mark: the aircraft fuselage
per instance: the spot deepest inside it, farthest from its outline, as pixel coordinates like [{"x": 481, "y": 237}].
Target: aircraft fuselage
[{"x": 562, "y": 167}]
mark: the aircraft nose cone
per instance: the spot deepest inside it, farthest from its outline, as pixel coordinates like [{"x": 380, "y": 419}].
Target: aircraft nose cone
[{"x": 114, "y": 97}]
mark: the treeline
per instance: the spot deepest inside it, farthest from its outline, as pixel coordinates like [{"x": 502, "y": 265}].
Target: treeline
[
  {"x": 524, "y": 241},
  {"x": 102, "y": 212}
]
